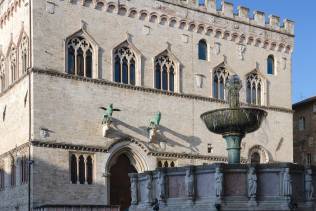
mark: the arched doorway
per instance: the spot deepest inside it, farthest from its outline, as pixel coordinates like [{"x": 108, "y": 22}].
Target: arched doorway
[
  {"x": 120, "y": 182},
  {"x": 255, "y": 158}
]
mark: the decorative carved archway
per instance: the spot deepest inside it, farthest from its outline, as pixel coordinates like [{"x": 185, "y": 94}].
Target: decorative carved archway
[
  {"x": 124, "y": 157},
  {"x": 258, "y": 154}
]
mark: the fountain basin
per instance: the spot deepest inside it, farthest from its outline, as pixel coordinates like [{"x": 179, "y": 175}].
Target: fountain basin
[{"x": 228, "y": 121}]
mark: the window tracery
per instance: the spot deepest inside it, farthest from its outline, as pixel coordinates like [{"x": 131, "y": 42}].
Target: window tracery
[
  {"x": 2, "y": 74},
  {"x": 24, "y": 54},
  {"x": 79, "y": 57},
  {"x": 220, "y": 76},
  {"x": 165, "y": 73},
  {"x": 254, "y": 89},
  {"x": 13, "y": 64},
  {"x": 124, "y": 65}
]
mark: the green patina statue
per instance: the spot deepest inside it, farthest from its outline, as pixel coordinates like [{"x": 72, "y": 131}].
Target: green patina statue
[
  {"x": 155, "y": 121},
  {"x": 153, "y": 126},
  {"x": 107, "y": 116}
]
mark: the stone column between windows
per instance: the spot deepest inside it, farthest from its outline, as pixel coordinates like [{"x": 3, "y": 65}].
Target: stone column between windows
[
  {"x": 121, "y": 69},
  {"x": 84, "y": 65},
  {"x": 168, "y": 78},
  {"x": 128, "y": 72},
  {"x": 161, "y": 79}
]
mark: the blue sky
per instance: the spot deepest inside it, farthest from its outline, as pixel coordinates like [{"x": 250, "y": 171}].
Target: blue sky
[{"x": 304, "y": 58}]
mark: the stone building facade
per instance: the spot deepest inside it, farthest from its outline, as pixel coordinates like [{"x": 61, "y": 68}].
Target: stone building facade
[
  {"x": 304, "y": 133},
  {"x": 61, "y": 60}
]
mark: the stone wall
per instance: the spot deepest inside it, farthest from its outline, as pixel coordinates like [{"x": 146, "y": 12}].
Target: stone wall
[
  {"x": 69, "y": 108},
  {"x": 14, "y": 119},
  {"x": 52, "y": 184},
  {"x": 225, "y": 187}
]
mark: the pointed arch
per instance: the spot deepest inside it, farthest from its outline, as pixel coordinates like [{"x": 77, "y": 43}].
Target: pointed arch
[
  {"x": 81, "y": 55},
  {"x": 135, "y": 151},
  {"x": 167, "y": 72},
  {"x": 12, "y": 62},
  {"x": 255, "y": 85},
  {"x": 220, "y": 75},
  {"x": 23, "y": 47},
  {"x": 127, "y": 63},
  {"x": 2, "y": 73},
  {"x": 258, "y": 154}
]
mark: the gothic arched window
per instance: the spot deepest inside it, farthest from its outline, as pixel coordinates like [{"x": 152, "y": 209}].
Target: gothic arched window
[
  {"x": 79, "y": 57},
  {"x": 89, "y": 170},
  {"x": 13, "y": 173},
  {"x": 165, "y": 72},
  {"x": 73, "y": 169},
  {"x": 254, "y": 89},
  {"x": 202, "y": 50},
  {"x": 2, "y": 179},
  {"x": 13, "y": 64},
  {"x": 270, "y": 65},
  {"x": 220, "y": 76},
  {"x": 24, "y": 54},
  {"x": 2, "y": 74},
  {"x": 24, "y": 169},
  {"x": 82, "y": 170},
  {"x": 124, "y": 65}
]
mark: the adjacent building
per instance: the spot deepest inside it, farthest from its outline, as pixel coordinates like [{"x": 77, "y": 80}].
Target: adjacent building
[
  {"x": 61, "y": 60},
  {"x": 304, "y": 124}
]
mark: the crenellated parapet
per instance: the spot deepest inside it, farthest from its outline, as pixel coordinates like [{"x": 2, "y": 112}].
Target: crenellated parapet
[{"x": 227, "y": 11}]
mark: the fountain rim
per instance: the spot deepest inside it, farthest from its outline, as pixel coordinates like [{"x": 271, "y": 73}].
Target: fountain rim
[{"x": 234, "y": 109}]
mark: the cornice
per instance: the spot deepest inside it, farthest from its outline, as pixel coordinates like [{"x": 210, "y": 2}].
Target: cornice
[{"x": 67, "y": 146}]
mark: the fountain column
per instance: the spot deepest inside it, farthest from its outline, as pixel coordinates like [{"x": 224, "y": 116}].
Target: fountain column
[{"x": 233, "y": 142}]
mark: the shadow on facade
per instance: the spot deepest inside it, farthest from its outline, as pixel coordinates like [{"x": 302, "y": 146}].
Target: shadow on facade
[{"x": 189, "y": 142}]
